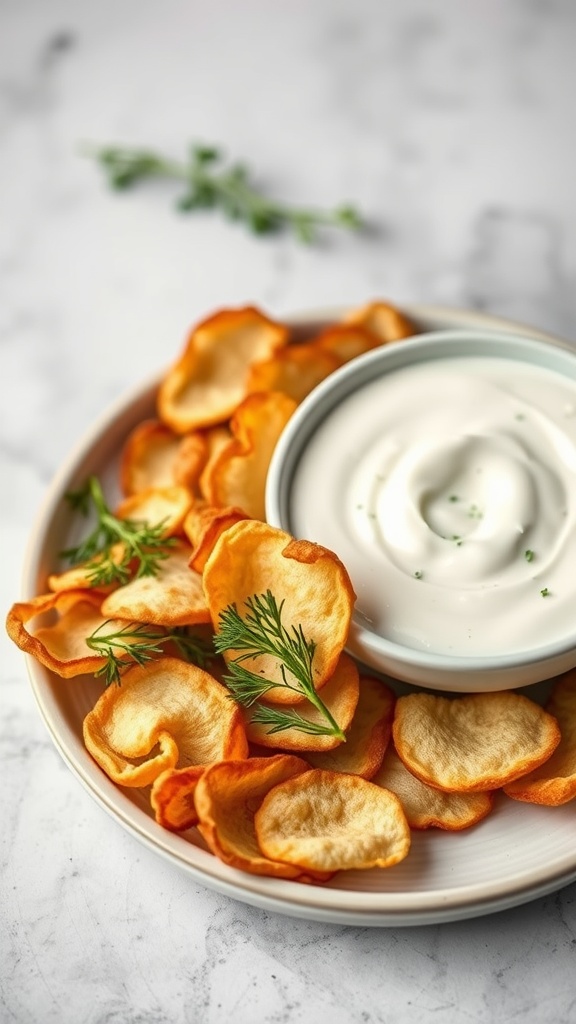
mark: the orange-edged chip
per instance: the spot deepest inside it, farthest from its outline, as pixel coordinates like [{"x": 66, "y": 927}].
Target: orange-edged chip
[
  {"x": 147, "y": 458},
  {"x": 81, "y": 576},
  {"x": 216, "y": 439},
  {"x": 474, "y": 743},
  {"x": 339, "y": 695},
  {"x": 166, "y": 505},
  {"x": 210, "y": 379},
  {"x": 294, "y": 370},
  {"x": 368, "y": 735},
  {"x": 53, "y": 628},
  {"x": 227, "y": 797},
  {"x": 326, "y": 821},
  {"x": 346, "y": 341},
  {"x": 203, "y": 525},
  {"x": 426, "y": 807},
  {"x": 172, "y": 797},
  {"x": 174, "y": 597},
  {"x": 308, "y": 581},
  {"x": 238, "y": 474},
  {"x": 554, "y": 783},
  {"x": 166, "y": 714},
  {"x": 383, "y": 320}
]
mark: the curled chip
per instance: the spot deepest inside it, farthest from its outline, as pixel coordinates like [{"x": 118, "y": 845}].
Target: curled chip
[
  {"x": 382, "y": 320},
  {"x": 227, "y": 797},
  {"x": 216, "y": 439},
  {"x": 174, "y": 597},
  {"x": 325, "y": 821},
  {"x": 366, "y": 738},
  {"x": 168, "y": 506},
  {"x": 53, "y": 628},
  {"x": 339, "y": 695},
  {"x": 209, "y": 380},
  {"x": 81, "y": 577},
  {"x": 154, "y": 456},
  {"x": 346, "y": 341},
  {"x": 172, "y": 797},
  {"x": 554, "y": 783},
  {"x": 474, "y": 743},
  {"x": 311, "y": 582},
  {"x": 203, "y": 525},
  {"x": 426, "y": 807},
  {"x": 166, "y": 714},
  {"x": 295, "y": 370},
  {"x": 238, "y": 473}
]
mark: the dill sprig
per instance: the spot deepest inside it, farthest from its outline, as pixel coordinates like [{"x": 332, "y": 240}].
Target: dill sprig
[
  {"x": 210, "y": 183},
  {"x": 116, "y": 549},
  {"x": 261, "y": 632},
  {"x": 138, "y": 643}
]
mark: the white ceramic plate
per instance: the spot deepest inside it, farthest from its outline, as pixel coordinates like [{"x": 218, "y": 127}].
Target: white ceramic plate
[{"x": 516, "y": 854}]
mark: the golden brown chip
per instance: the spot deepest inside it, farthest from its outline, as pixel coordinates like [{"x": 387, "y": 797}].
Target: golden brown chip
[
  {"x": 340, "y": 696},
  {"x": 426, "y": 807},
  {"x": 383, "y": 320},
  {"x": 80, "y": 577},
  {"x": 166, "y": 505},
  {"x": 346, "y": 341},
  {"x": 172, "y": 797},
  {"x": 166, "y": 714},
  {"x": 237, "y": 476},
  {"x": 252, "y": 558},
  {"x": 148, "y": 457},
  {"x": 474, "y": 743},
  {"x": 227, "y": 797},
  {"x": 209, "y": 380},
  {"x": 554, "y": 783},
  {"x": 216, "y": 439},
  {"x": 174, "y": 597},
  {"x": 53, "y": 628},
  {"x": 203, "y": 525},
  {"x": 325, "y": 821},
  {"x": 294, "y": 370},
  {"x": 368, "y": 735}
]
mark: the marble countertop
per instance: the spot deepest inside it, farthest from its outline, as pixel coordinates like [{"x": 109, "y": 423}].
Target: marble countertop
[{"x": 450, "y": 126}]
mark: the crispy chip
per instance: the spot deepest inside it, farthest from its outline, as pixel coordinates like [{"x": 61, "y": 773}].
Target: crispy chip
[
  {"x": 166, "y": 714},
  {"x": 172, "y": 797},
  {"x": 227, "y": 797},
  {"x": 174, "y": 597},
  {"x": 216, "y": 439},
  {"x": 53, "y": 628},
  {"x": 147, "y": 458},
  {"x": 346, "y": 341},
  {"x": 367, "y": 736},
  {"x": 294, "y": 370},
  {"x": 251, "y": 558},
  {"x": 80, "y": 577},
  {"x": 166, "y": 505},
  {"x": 209, "y": 380},
  {"x": 326, "y": 821},
  {"x": 339, "y": 694},
  {"x": 203, "y": 525},
  {"x": 554, "y": 783},
  {"x": 426, "y": 807},
  {"x": 474, "y": 743},
  {"x": 238, "y": 473},
  {"x": 382, "y": 320}
]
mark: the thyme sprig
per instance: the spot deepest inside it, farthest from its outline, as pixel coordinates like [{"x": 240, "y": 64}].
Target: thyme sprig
[
  {"x": 260, "y": 631},
  {"x": 116, "y": 549},
  {"x": 211, "y": 183},
  {"x": 138, "y": 643}
]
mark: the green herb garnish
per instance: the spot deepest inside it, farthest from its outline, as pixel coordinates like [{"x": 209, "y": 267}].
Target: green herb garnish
[
  {"x": 116, "y": 549},
  {"x": 261, "y": 632},
  {"x": 209, "y": 183},
  {"x": 529, "y": 555},
  {"x": 545, "y": 592},
  {"x": 418, "y": 574},
  {"x": 138, "y": 643}
]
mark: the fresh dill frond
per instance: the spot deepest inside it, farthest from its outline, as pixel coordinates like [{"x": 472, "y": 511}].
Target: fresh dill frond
[{"x": 136, "y": 643}]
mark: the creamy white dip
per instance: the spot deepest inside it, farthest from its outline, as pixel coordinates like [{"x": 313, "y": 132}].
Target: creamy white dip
[{"x": 448, "y": 489}]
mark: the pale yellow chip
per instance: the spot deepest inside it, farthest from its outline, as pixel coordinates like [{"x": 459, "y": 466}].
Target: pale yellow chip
[
  {"x": 474, "y": 743},
  {"x": 172, "y": 797},
  {"x": 227, "y": 797},
  {"x": 166, "y": 714},
  {"x": 53, "y": 628},
  {"x": 367, "y": 736},
  {"x": 383, "y": 320},
  {"x": 237, "y": 476},
  {"x": 311, "y": 582},
  {"x": 326, "y": 821},
  {"x": 427, "y": 807},
  {"x": 554, "y": 783},
  {"x": 295, "y": 370},
  {"x": 166, "y": 505},
  {"x": 339, "y": 695},
  {"x": 210, "y": 379},
  {"x": 173, "y": 597}
]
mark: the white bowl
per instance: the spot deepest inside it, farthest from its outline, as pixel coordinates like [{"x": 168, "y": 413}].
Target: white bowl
[{"x": 497, "y": 669}]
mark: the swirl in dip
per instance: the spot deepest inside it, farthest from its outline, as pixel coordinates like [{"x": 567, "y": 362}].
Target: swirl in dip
[{"x": 448, "y": 489}]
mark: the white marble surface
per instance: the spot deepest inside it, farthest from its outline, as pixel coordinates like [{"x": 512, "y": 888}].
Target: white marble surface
[{"x": 451, "y": 125}]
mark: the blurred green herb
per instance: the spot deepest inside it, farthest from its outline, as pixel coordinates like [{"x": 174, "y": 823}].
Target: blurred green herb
[
  {"x": 137, "y": 643},
  {"x": 212, "y": 183}
]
